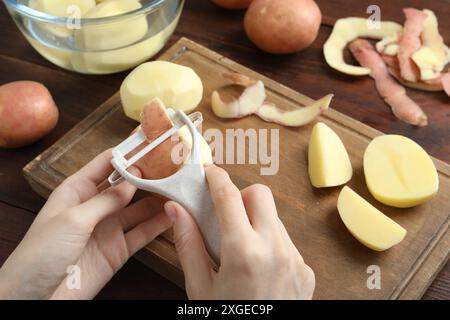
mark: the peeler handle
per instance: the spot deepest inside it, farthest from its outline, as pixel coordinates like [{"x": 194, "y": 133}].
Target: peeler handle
[
  {"x": 194, "y": 196},
  {"x": 189, "y": 188}
]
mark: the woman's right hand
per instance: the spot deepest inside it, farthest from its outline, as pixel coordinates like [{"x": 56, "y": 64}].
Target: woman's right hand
[{"x": 258, "y": 259}]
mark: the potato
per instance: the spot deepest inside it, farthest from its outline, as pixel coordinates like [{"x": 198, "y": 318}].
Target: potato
[
  {"x": 27, "y": 113},
  {"x": 366, "y": 223},
  {"x": 328, "y": 161},
  {"x": 399, "y": 172},
  {"x": 112, "y": 35},
  {"x": 281, "y": 27},
  {"x": 159, "y": 163},
  {"x": 233, "y": 4},
  {"x": 178, "y": 87},
  {"x": 61, "y": 8}
]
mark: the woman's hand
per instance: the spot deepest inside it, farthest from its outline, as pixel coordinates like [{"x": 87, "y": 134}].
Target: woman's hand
[
  {"x": 84, "y": 227},
  {"x": 258, "y": 259}
]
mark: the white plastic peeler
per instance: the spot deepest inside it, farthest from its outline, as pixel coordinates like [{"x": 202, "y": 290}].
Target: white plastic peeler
[{"x": 188, "y": 186}]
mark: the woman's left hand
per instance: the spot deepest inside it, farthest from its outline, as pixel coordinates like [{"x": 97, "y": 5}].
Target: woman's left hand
[{"x": 81, "y": 237}]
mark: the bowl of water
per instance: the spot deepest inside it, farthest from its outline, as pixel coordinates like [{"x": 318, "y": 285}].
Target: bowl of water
[{"x": 96, "y": 36}]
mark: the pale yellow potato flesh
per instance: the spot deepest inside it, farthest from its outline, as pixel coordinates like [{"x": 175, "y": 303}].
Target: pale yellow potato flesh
[
  {"x": 348, "y": 29},
  {"x": 433, "y": 56},
  {"x": 297, "y": 117},
  {"x": 247, "y": 103},
  {"x": 110, "y": 61},
  {"x": 328, "y": 161},
  {"x": 388, "y": 45},
  {"x": 112, "y": 35},
  {"x": 429, "y": 62},
  {"x": 366, "y": 223},
  {"x": 399, "y": 172},
  {"x": 62, "y": 8},
  {"x": 177, "y": 86}
]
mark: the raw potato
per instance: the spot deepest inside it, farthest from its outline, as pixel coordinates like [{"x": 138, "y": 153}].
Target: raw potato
[
  {"x": 57, "y": 56},
  {"x": 61, "y": 8},
  {"x": 110, "y": 61},
  {"x": 27, "y": 113},
  {"x": 399, "y": 172},
  {"x": 281, "y": 27},
  {"x": 328, "y": 161},
  {"x": 160, "y": 162},
  {"x": 297, "y": 117},
  {"x": 112, "y": 35},
  {"x": 347, "y": 30},
  {"x": 233, "y": 4},
  {"x": 177, "y": 86},
  {"x": 366, "y": 223}
]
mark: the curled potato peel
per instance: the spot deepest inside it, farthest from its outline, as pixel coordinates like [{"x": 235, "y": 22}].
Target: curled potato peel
[
  {"x": 253, "y": 101},
  {"x": 348, "y": 29}
]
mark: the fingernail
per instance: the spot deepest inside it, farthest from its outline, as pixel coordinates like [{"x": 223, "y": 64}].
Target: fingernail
[
  {"x": 170, "y": 210},
  {"x": 134, "y": 171}
]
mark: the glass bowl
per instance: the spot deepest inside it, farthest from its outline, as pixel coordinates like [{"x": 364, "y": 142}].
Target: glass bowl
[{"x": 98, "y": 45}]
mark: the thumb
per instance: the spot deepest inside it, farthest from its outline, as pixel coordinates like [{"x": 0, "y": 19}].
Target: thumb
[{"x": 191, "y": 249}]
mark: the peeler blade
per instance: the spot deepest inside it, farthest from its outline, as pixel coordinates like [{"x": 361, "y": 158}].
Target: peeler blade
[{"x": 120, "y": 152}]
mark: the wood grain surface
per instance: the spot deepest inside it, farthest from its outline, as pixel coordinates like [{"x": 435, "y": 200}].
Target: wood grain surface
[
  {"x": 309, "y": 214},
  {"x": 77, "y": 95}
]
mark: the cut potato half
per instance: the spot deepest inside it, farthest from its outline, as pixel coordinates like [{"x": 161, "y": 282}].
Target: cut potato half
[{"x": 399, "y": 172}]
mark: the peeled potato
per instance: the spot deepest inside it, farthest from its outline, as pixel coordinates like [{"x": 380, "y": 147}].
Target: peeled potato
[
  {"x": 27, "y": 113},
  {"x": 366, "y": 223},
  {"x": 399, "y": 172},
  {"x": 328, "y": 161},
  {"x": 112, "y": 35},
  {"x": 281, "y": 27},
  {"x": 177, "y": 86},
  {"x": 61, "y": 8}
]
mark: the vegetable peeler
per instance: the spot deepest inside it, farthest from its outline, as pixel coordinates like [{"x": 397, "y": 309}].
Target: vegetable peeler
[{"x": 188, "y": 186}]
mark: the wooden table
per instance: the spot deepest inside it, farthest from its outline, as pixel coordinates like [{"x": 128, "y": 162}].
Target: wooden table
[{"x": 77, "y": 95}]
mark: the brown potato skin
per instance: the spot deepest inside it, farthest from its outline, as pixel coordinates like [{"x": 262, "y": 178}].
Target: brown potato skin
[
  {"x": 233, "y": 4},
  {"x": 27, "y": 113},
  {"x": 158, "y": 163},
  {"x": 282, "y": 26}
]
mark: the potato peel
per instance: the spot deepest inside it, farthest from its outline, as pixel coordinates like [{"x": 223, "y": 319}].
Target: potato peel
[
  {"x": 348, "y": 29},
  {"x": 294, "y": 118},
  {"x": 248, "y": 103},
  {"x": 252, "y": 101}
]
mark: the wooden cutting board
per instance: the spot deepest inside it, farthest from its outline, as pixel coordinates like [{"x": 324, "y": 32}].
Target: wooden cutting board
[{"x": 310, "y": 215}]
